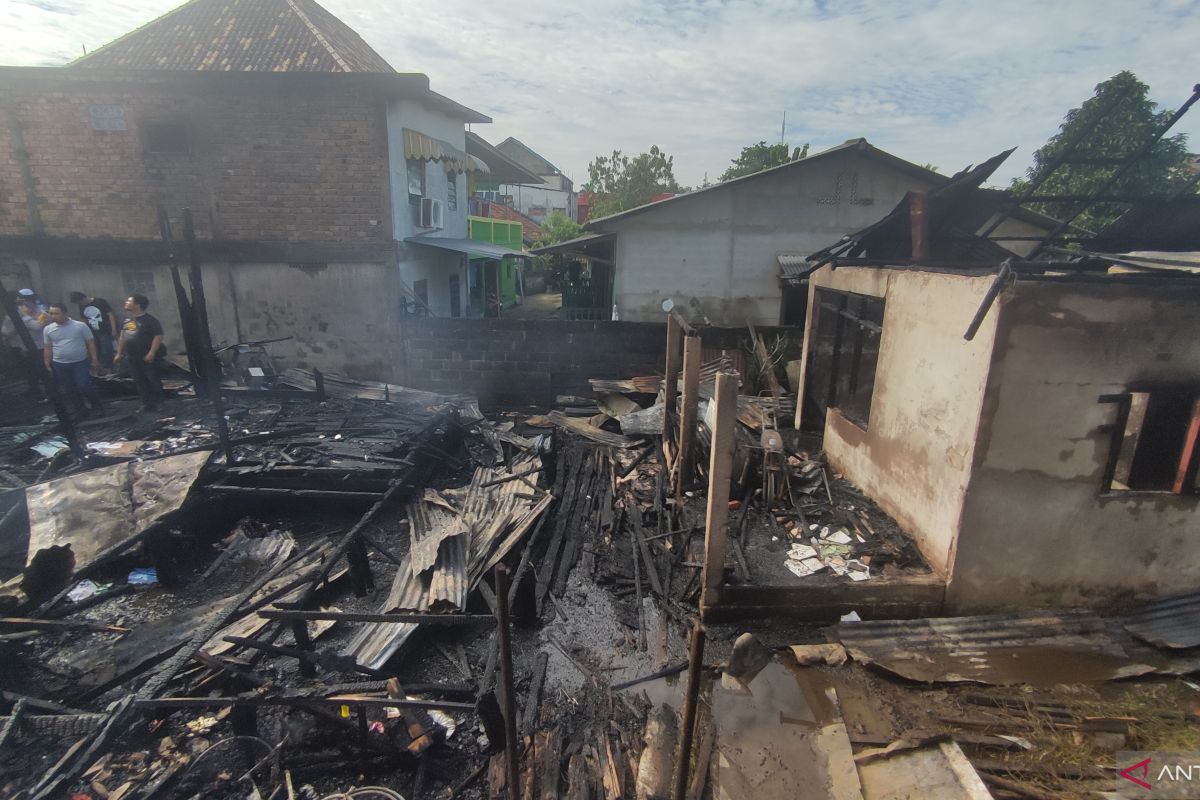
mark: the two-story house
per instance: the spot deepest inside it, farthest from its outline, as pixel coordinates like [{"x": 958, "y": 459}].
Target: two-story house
[
  {"x": 552, "y": 191},
  {"x": 329, "y": 192}
]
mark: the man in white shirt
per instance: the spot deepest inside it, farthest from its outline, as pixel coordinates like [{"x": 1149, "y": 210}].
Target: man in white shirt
[{"x": 69, "y": 349}]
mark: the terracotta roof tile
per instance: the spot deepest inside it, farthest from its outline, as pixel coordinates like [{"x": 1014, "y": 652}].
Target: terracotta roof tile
[
  {"x": 241, "y": 36},
  {"x": 530, "y": 230}
]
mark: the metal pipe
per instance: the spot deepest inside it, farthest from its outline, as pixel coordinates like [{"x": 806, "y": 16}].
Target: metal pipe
[
  {"x": 988, "y": 299},
  {"x": 690, "y": 702},
  {"x": 511, "y": 753}
]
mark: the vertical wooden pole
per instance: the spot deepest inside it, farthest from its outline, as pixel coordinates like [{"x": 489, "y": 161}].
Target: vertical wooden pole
[
  {"x": 671, "y": 379},
  {"x": 918, "y": 215},
  {"x": 690, "y": 701},
  {"x": 687, "y": 416},
  {"x": 720, "y": 467},
  {"x": 508, "y": 701}
]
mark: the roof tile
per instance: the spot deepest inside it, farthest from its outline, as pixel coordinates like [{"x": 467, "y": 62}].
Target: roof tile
[{"x": 241, "y": 36}]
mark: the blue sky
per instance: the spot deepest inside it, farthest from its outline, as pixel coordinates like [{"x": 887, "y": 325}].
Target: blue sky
[{"x": 949, "y": 83}]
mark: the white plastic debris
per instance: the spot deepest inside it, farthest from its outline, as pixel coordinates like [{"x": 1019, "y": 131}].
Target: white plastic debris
[
  {"x": 851, "y": 617},
  {"x": 839, "y": 536}
]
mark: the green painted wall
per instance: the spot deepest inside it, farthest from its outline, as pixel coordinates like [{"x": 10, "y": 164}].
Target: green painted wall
[{"x": 505, "y": 234}]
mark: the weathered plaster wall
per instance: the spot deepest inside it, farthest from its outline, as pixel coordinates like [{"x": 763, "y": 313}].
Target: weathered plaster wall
[
  {"x": 1034, "y": 528},
  {"x": 915, "y": 456},
  {"x": 717, "y": 252},
  {"x": 343, "y": 317}
]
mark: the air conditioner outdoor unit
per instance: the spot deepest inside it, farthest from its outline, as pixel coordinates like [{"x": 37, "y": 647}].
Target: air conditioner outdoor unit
[{"x": 431, "y": 213}]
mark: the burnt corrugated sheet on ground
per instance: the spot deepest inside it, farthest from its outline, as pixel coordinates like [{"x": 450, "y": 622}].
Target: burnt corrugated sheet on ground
[
  {"x": 1172, "y": 622},
  {"x": 1037, "y": 648}
]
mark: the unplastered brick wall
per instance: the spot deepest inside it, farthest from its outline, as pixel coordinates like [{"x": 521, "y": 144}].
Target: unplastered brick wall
[
  {"x": 509, "y": 362},
  {"x": 253, "y": 165}
]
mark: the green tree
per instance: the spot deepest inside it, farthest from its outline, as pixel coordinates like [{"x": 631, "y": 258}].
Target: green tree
[
  {"x": 1121, "y": 131},
  {"x": 758, "y": 157},
  {"x": 618, "y": 182},
  {"x": 557, "y": 227}
]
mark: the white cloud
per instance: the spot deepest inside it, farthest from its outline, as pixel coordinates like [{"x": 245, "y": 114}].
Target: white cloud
[{"x": 930, "y": 80}]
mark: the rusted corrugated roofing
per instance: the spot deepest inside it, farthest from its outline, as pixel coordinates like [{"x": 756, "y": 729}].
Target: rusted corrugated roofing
[
  {"x": 1172, "y": 622},
  {"x": 1036, "y": 648},
  {"x": 241, "y": 36}
]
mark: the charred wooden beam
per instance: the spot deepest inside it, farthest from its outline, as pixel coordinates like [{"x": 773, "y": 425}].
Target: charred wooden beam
[{"x": 422, "y": 618}]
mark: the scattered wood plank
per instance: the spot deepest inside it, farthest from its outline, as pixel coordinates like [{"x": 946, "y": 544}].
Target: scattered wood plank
[{"x": 591, "y": 432}]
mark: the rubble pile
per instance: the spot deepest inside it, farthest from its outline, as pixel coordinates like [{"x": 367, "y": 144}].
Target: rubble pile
[{"x": 374, "y": 592}]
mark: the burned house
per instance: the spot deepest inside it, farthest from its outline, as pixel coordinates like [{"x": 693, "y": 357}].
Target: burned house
[
  {"x": 1034, "y": 427},
  {"x": 329, "y": 191}
]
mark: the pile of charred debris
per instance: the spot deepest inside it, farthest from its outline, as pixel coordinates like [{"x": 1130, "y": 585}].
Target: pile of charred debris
[{"x": 336, "y": 589}]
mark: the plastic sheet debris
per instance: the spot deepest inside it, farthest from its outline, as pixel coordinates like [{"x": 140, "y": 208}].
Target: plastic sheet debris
[
  {"x": 49, "y": 448},
  {"x": 144, "y": 576}
]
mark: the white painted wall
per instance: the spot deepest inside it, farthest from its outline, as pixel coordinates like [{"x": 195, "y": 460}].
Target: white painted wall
[
  {"x": 715, "y": 254},
  {"x": 411, "y": 114},
  {"x": 436, "y": 267},
  {"x": 525, "y": 198}
]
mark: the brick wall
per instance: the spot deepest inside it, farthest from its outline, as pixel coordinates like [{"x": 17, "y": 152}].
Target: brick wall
[
  {"x": 283, "y": 165},
  {"x": 509, "y": 362}
]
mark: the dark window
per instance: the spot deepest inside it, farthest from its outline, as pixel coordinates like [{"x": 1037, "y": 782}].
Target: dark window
[
  {"x": 845, "y": 353},
  {"x": 1155, "y": 445},
  {"x": 452, "y": 191},
  {"x": 416, "y": 179},
  {"x": 455, "y": 296},
  {"x": 165, "y": 137},
  {"x": 421, "y": 290}
]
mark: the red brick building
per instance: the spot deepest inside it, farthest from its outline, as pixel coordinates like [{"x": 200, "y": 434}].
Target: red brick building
[{"x": 305, "y": 158}]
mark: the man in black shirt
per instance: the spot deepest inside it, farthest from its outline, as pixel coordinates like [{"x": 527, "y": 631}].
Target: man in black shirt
[
  {"x": 142, "y": 340},
  {"x": 99, "y": 316}
]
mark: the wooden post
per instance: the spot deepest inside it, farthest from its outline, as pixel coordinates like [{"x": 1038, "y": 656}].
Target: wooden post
[
  {"x": 720, "y": 466},
  {"x": 508, "y": 701},
  {"x": 690, "y": 701},
  {"x": 212, "y": 370},
  {"x": 918, "y": 215},
  {"x": 687, "y": 416},
  {"x": 671, "y": 379}
]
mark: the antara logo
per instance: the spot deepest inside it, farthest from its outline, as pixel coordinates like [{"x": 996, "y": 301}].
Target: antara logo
[{"x": 1129, "y": 773}]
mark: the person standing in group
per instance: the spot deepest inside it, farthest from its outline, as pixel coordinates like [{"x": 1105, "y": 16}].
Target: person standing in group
[
  {"x": 99, "y": 316},
  {"x": 142, "y": 340},
  {"x": 35, "y": 319},
  {"x": 33, "y": 314},
  {"x": 69, "y": 349}
]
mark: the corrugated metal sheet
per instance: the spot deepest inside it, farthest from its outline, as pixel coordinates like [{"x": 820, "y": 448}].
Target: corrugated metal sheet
[
  {"x": 795, "y": 266},
  {"x": 1041, "y": 649},
  {"x": 493, "y": 517},
  {"x": 375, "y": 643},
  {"x": 1172, "y": 622}
]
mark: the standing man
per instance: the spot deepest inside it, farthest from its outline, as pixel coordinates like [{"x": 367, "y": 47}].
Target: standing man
[
  {"x": 68, "y": 351},
  {"x": 99, "y": 316},
  {"x": 142, "y": 340},
  {"x": 34, "y": 318}
]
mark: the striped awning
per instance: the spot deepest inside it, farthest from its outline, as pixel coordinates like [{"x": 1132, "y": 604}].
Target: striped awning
[{"x": 426, "y": 148}]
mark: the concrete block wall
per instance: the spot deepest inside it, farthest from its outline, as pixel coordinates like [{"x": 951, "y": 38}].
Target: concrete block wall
[{"x": 511, "y": 362}]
